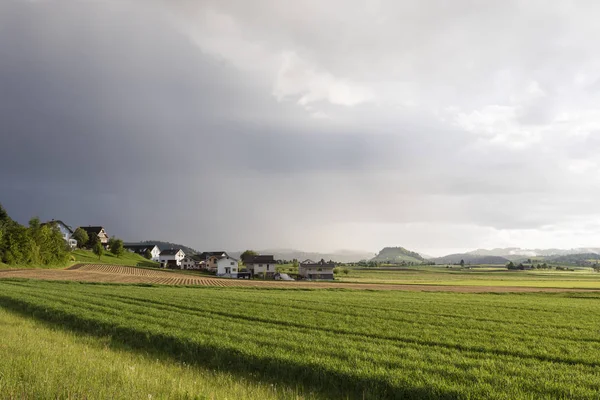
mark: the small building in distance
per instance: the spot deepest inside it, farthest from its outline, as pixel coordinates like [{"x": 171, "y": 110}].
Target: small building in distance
[
  {"x": 141, "y": 249},
  {"x": 260, "y": 265},
  {"x": 171, "y": 258},
  {"x": 65, "y": 230},
  {"x": 98, "y": 231},
  {"x": 316, "y": 270}
]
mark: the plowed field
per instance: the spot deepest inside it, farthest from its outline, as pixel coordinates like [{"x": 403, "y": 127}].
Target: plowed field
[{"x": 105, "y": 273}]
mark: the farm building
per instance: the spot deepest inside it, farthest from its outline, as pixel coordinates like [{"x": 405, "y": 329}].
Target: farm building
[
  {"x": 171, "y": 258},
  {"x": 261, "y": 265},
  {"x": 316, "y": 270}
]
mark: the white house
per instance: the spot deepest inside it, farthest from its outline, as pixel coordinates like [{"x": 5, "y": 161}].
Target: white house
[
  {"x": 65, "y": 230},
  {"x": 227, "y": 266},
  {"x": 211, "y": 258},
  {"x": 191, "y": 262},
  {"x": 141, "y": 248},
  {"x": 171, "y": 258},
  {"x": 263, "y": 265}
]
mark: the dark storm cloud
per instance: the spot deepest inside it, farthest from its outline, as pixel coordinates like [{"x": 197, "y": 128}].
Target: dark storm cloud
[{"x": 198, "y": 122}]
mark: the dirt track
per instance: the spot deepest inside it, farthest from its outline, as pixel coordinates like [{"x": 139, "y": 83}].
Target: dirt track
[{"x": 122, "y": 274}]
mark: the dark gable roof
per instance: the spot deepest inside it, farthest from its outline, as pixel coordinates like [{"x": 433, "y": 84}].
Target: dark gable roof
[
  {"x": 208, "y": 254},
  {"x": 59, "y": 222},
  {"x": 320, "y": 264},
  {"x": 170, "y": 252},
  {"x": 262, "y": 259},
  {"x": 138, "y": 248},
  {"x": 92, "y": 229}
]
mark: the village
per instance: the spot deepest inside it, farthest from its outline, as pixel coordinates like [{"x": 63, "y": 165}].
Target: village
[{"x": 219, "y": 263}]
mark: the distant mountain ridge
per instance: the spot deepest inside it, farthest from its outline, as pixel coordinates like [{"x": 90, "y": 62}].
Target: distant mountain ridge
[
  {"x": 470, "y": 259},
  {"x": 343, "y": 256},
  {"x": 517, "y": 251}
]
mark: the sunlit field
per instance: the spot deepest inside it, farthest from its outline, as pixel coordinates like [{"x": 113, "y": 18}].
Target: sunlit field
[
  {"x": 301, "y": 343},
  {"x": 584, "y": 278}
]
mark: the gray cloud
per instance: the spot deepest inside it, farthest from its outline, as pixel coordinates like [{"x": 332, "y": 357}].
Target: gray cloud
[{"x": 316, "y": 126}]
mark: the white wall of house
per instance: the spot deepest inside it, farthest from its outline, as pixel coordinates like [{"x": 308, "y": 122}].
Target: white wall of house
[
  {"x": 66, "y": 233},
  {"x": 155, "y": 253},
  {"x": 103, "y": 236},
  {"x": 227, "y": 266},
  {"x": 260, "y": 269}
]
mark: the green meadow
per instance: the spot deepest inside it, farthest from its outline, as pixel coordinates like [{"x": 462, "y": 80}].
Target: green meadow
[
  {"x": 127, "y": 258},
  {"x": 202, "y": 342},
  {"x": 583, "y": 278}
]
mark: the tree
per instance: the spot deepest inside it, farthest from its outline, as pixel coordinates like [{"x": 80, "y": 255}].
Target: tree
[
  {"x": 92, "y": 240},
  {"x": 148, "y": 254},
  {"x": 462, "y": 263},
  {"x": 248, "y": 254},
  {"x": 116, "y": 247},
  {"x": 4, "y": 218},
  {"x": 98, "y": 249},
  {"x": 346, "y": 271},
  {"x": 81, "y": 236}
]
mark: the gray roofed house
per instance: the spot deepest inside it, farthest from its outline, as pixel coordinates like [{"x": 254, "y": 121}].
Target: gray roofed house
[
  {"x": 309, "y": 269},
  {"x": 261, "y": 265}
]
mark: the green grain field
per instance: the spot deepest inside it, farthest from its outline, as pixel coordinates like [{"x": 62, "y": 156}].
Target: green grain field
[
  {"x": 583, "y": 278},
  {"x": 308, "y": 343}
]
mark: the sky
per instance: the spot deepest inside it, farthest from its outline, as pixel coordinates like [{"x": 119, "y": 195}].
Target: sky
[{"x": 316, "y": 125}]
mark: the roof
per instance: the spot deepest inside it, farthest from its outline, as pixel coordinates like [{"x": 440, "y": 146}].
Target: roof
[
  {"x": 59, "y": 222},
  {"x": 170, "y": 252},
  {"x": 320, "y": 264},
  {"x": 208, "y": 254},
  {"x": 92, "y": 229},
  {"x": 261, "y": 259},
  {"x": 139, "y": 247}
]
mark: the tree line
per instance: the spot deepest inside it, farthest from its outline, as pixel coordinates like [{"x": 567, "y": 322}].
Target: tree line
[
  {"x": 36, "y": 244},
  {"x": 43, "y": 244}
]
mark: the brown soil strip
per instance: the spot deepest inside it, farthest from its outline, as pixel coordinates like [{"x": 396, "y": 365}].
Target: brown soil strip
[{"x": 105, "y": 273}]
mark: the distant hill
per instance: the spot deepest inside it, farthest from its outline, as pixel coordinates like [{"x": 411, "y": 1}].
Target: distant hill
[
  {"x": 517, "y": 252},
  {"x": 344, "y": 256},
  {"x": 397, "y": 254},
  {"x": 471, "y": 259},
  {"x": 168, "y": 245}
]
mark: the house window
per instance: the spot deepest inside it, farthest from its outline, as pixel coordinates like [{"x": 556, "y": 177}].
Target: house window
[
  {"x": 232, "y": 263},
  {"x": 268, "y": 267}
]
